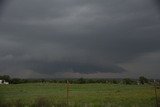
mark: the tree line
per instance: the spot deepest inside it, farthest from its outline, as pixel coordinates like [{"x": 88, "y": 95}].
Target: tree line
[{"x": 127, "y": 81}]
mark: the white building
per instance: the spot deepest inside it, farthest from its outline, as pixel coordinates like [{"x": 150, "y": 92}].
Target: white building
[
  {"x": 3, "y": 82},
  {"x": 0, "y": 81}
]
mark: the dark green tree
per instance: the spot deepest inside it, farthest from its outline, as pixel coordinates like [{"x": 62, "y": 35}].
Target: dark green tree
[
  {"x": 81, "y": 81},
  {"x": 6, "y": 78},
  {"x": 16, "y": 81},
  {"x": 127, "y": 81},
  {"x": 143, "y": 80}
]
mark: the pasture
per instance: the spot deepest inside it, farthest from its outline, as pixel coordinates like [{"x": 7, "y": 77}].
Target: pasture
[{"x": 80, "y": 95}]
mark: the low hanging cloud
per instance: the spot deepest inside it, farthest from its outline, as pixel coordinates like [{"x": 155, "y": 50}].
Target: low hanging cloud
[
  {"x": 77, "y": 36},
  {"x": 51, "y": 67}
]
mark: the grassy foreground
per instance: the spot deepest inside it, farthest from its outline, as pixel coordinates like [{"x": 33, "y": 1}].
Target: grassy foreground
[{"x": 80, "y": 95}]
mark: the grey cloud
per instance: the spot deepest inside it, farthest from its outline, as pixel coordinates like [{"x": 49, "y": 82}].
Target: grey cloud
[
  {"x": 147, "y": 65},
  {"x": 52, "y": 67},
  {"x": 93, "y": 35},
  {"x": 11, "y": 62},
  {"x": 157, "y": 3},
  {"x": 2, "y": 3}
]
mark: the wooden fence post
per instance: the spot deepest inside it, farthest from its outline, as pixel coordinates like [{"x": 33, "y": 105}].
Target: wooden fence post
[
  {"x": 67, "y": 92},
  {"x": 156, "y": 93}
]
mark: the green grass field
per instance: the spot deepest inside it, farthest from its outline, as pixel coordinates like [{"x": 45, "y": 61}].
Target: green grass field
[{"x": 80, "y": 95}]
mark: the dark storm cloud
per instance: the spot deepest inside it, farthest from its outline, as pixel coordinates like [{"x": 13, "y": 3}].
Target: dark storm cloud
[
  {"x": 1, "y": 6},
  {"x": 78, "y": 36},
  {"x": 50, "y": 67},
  {"x": 157, "y": 2}
]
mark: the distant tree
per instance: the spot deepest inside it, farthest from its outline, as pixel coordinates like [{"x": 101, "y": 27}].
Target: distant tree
[
  {"x": 114, "y": 81},
  {"x": 81, "y": 81},
  {"x": 143, "y": 80},
  {"x": 16, "y": 81},
  {"x": 6, "y": 78},
  {"x": 43, "y": 80},
  {"x": 90, "y": 81},
  {"x": 127, "y": 81}
]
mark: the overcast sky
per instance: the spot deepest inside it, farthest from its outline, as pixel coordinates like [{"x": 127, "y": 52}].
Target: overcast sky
[{"x": 80, "y": 38}]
